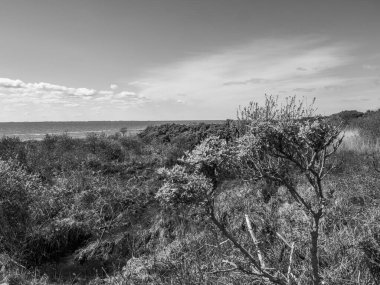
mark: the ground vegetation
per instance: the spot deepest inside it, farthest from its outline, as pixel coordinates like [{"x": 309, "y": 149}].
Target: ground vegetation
[{"x": 277, "y": 196}]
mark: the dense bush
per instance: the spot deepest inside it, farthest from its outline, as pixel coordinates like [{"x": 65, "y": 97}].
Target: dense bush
[{"x": 188, "y": 136}]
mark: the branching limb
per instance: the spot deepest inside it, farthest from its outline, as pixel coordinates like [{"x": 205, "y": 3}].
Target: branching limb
[
  {"x": 257, "y": 269},
  {"x": 234, "y": 241},
  {"x": 299, "y": 255}
]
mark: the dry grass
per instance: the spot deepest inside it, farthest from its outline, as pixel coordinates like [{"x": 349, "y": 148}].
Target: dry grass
[{"x": 354, "y": 141}]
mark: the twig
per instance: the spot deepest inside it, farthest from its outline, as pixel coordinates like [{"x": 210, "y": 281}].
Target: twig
[
  {"x": 299, "y": 254},
  {"x": 216, "y": 246},
  {"x": 222, "y": 270},
  {"x": 284, "y": 240},
  {"x": 290, "y": 262},
  {"x": 255, "y": 241},
  {"x": 234, "y": 267}
]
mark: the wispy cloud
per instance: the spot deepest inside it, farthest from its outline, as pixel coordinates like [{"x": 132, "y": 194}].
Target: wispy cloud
[
  {"x": 17, "y": 84},
  {"x": 21, "y": 100},
  {"x": 234, "y": 76},
  {"x": 248, "y": 81},
  {"x": 304, "y": 89}
]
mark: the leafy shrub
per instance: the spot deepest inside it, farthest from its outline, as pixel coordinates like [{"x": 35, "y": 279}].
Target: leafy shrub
[
  {"x": 188, "y": 136},
  {"x": 192, "y": 188}
]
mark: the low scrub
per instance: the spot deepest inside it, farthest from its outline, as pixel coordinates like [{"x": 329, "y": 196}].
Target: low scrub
[{"x": 229, "y": 203}]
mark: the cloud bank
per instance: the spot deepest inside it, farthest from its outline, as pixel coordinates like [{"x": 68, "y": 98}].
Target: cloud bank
[
  {"x": 17, "y": 91},
  {"x": 58, "y": 102}
]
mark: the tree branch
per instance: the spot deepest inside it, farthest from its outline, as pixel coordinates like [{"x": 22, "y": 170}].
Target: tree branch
[{"x": 258, "y": 271}]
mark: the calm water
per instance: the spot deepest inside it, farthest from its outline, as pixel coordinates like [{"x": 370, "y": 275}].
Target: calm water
[{"x": 37, "y": 130}]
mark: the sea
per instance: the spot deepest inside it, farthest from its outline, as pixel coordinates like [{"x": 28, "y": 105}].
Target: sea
[{"x": 38, "y": 130}]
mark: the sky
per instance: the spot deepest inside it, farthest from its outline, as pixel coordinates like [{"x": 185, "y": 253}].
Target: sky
[{"x": 83, "y": 60}]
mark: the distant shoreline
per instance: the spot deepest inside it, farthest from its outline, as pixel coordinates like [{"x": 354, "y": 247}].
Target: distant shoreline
[
  {"x": 80, "y": 129},
  {"x": 118, "y": 121}
]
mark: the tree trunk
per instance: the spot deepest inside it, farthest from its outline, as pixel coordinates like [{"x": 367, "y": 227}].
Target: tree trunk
[{"x": 314, "y": 250}]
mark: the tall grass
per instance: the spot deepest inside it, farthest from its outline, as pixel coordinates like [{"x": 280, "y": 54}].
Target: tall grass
[{"x": 354, "y": 140}]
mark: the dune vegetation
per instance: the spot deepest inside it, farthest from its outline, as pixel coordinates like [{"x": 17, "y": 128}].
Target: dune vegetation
[{"x": 277, "y": 196}]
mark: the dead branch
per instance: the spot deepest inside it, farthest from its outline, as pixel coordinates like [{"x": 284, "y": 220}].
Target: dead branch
[
  {"x": 290, "y": 263},
  {"x": 255, "y": 241}
]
